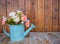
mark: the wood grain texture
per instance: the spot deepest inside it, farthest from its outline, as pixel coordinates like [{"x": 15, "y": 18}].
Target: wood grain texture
[
  {"x": 21, "y": 5},
  {"x": 55, "y": 15},
  {"x": 45, "y": 14},
  {"x": 48, "y": 15},
  {"x": 35, "y": 14},
  {"x": 59, "y": 15},
  {"x": 40, "y": 15},
  {"x": 37, "y": 38}
]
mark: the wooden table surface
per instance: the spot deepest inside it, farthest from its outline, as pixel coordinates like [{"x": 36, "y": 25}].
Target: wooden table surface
[{"x": 35, "y": 38}]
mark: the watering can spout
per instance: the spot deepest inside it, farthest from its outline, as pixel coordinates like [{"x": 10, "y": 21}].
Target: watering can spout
[{"x": 28, "y": 30}]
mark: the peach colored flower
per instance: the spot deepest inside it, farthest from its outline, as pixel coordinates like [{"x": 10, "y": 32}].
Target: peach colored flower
[
  {"x": 27, "y": 23},
  {"x": 3, "y": 20},
  {"x": 24, "y": 18}
]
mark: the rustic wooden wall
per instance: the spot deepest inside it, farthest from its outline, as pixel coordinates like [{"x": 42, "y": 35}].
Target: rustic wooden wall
[{"x": 45, "y": 14}]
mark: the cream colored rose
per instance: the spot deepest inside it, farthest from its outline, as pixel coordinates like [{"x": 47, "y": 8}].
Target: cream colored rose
[{"x": 16, "y": 19}]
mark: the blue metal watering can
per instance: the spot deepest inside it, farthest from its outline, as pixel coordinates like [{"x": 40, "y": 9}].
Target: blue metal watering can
[{"x": 17, "y": 32}]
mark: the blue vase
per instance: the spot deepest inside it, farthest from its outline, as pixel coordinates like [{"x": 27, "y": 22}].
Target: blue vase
[{"x": 17, "y": 32}]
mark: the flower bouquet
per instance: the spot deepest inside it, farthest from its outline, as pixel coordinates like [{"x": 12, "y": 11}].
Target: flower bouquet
[
  {"x": 16, "y": 21},
  {"x": 15, "y": 18}
]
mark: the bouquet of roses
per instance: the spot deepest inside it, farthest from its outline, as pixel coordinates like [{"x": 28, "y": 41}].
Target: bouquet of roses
[{"x": 16, "y": 18}]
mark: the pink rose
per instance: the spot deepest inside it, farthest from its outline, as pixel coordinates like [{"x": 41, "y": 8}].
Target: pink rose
[
  {"x": 24, "y": 18},
  {"x": 27, "y": 23},
  {"x": 3, "y": 20}
]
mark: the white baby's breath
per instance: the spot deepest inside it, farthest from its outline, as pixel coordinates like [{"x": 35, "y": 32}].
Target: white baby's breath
[
  {"x": 12, "y": 14},
  {"x": 16, "y": 19}
]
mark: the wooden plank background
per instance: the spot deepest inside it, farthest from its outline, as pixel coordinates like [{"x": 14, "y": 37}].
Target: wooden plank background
[{"x": 45, "y": 14}]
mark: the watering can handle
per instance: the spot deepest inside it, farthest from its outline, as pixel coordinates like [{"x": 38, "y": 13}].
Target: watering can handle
[{"x": 4, "y": 30}]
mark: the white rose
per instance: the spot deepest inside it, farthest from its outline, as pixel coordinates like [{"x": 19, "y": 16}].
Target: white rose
[
  {"x": 12, "y": 14},
  {"x": 16, "y": 19}
]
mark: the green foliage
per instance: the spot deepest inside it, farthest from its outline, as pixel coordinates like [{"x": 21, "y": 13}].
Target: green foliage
[{"x": 10, "y": 21}]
